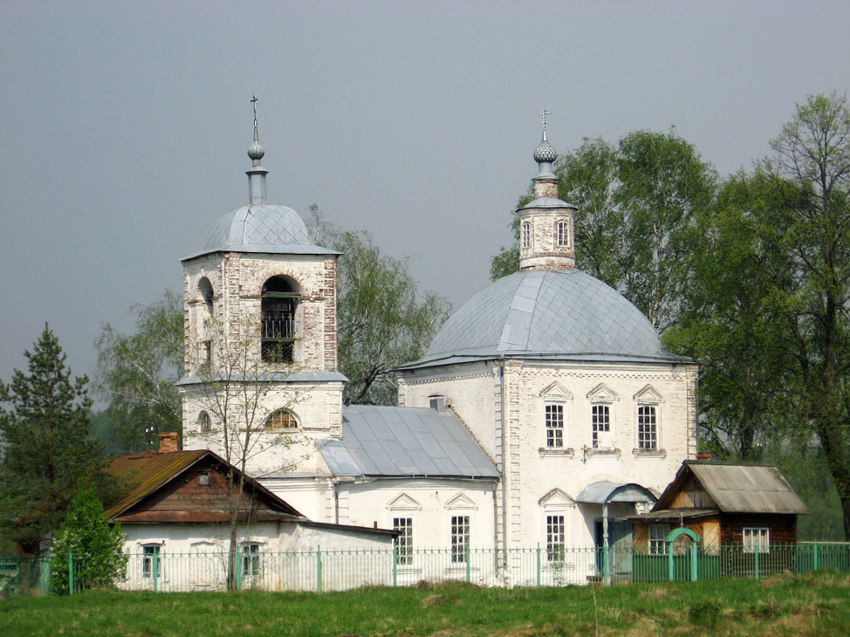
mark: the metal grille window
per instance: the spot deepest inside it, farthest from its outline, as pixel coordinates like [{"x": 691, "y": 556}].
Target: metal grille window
[
  {"x": 404, "y": 542},
  {"x": 251, "y": 560},
  {"x": 151, "y": 555},
  {"x": 757, "y": 540},
  {"x": 554, "y": 426},
  {"x": 647, "y": 431},
  {"x": 555, "y": 551},
  {"x": 279, "y": 301},
  {"x": 601, "y": 425},
  {"x": 460, "y": 538},
  {"x": 563, "y": 234},
  {"x": 657, "y": 534},
  {"x": 526, "y": 235}
]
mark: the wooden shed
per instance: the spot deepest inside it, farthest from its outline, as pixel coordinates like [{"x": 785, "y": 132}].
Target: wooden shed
[{"x": 726, "y": 504}]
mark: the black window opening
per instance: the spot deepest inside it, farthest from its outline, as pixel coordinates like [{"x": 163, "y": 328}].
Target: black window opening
[{"x": 279, "y": 301}]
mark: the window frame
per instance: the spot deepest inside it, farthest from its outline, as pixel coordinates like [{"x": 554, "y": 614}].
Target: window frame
[
  {"x": 148, "y": 551},
  {"x": 525, "y": 235},
  {"x": 658, "y": 545},
  {"x": 554, "y": 422},
  {"x": 460, "y": 536},
  {"x": 403, "y": 543},
  {"x": 252, "y": 565},
  {"x": 291, "y": 418},
  {"x": 562, "y": 233},
  {"x": 279, "y": 300},
  {"x": 747, "y": 536},
  {"x": 556, "y": 538},
  {"x": 204, "y": 422},
  {"x": 643, "y": 444},
  {"x": 597, "y": 424}
]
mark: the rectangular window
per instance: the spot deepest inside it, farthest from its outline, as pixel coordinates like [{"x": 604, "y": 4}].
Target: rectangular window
[
  {"x": 563, "y": 234},
  {"x": 757, "y": 540},
  {"x": 404, "y": 542},
  {"x": 647, "y": 432},
  {"x": 554, "y": 426},
  {"x": 250, "y": 560},
  {"x": 601, "y": 426},
  {"x": 151, "y": 555},
  {"x": 460, "y": 538},
  {"x": 657, "y": 533},
  {"x": 555, "y": 543}
]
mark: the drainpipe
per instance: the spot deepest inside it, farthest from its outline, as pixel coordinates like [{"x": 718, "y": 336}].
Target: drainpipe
[{"x": 504, "y": 418}]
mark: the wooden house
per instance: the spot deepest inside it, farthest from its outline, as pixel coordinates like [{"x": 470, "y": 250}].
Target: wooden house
[{"x": 725, "y": 504}]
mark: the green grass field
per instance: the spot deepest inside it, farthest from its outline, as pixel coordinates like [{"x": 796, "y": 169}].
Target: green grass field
[{"x": 781, "y": 605}]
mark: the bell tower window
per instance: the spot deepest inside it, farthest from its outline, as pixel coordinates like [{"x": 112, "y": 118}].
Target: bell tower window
[
  {"x": 279, "y": 301},
  {"x": 526, "y": 235}
]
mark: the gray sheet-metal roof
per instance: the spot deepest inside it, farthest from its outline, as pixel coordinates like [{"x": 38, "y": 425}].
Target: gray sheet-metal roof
[
  {"x": 674, "y": 515},
  {"x": 738, "y": 488},
  {"x": 405, "y": 442},
  {"x": 606, "y": 491},
  {"x": 300, "y": 376},
  {"x": 548, "y": 313},
  {"x": 266, "y": 228}
]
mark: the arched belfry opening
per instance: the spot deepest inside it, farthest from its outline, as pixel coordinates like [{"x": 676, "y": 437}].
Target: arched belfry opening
[
  {"x": 278, "y": 307},
  {"x": 206, "y": 291}
]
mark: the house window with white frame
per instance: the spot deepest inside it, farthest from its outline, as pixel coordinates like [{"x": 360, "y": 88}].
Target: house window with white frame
[
  {"x": 756, "y": 540},
  {"x": 657, "y": 536},
  {"x": 647, "y": 428},
  {"x": 251, "y": 559},
  {"x": 460, "y": 538},
  {"x": 403, "y": 542},
  {"x": 601, "y": 420},
  {"x": 554, "y": 426},
  {"x": 563, "y": 234},
  {"x": 555, "y": 538},
  {"x": 526, "y": 235},
  {"x": 151, "y": 561}
]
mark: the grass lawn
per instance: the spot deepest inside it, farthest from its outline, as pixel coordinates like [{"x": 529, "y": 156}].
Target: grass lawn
[{"x": 817, "y": 604}]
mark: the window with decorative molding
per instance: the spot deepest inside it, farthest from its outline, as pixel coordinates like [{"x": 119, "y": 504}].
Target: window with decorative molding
[
  {"x": 647, "y": 428},
  {"x": 555, "y": 538},
  {"x": 460, "y": 538},
  {"x": 404, "y": 541},
  {"x": 554, "y": 426},
  {"x": 601, "y": 424}
]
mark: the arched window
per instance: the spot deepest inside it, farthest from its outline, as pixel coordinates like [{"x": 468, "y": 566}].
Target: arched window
[
  {"x": 206, "y": 290},
  {"x": 279, "y": 300},
  {"x": 282, "y": 419},
  {"x": 204, "y": 422}
]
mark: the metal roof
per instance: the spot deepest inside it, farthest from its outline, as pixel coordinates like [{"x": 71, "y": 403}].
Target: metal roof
[
  {"x": 145, "y": 473},
  {"x": 266, "y": 228},
  {"x": 548, "y": 313},
  {"x": 405, "y": 442},
  {"x": 298, "y": 376},
  {"x": 738, "y": 488},
  {"x": 607, "y": 491}
]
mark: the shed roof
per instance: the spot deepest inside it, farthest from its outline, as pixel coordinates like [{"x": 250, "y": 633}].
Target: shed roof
[
  {"x": 405, "y": 442},
  {"x": 737, "y": 488}
]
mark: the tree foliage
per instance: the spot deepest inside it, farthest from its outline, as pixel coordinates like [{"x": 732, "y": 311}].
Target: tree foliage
[
  {"x": 96, "y": 547},
  {"x": 382, "y": 319},
  {"x": 137, "y": 372},
  {"x": 44, "y": 426}
]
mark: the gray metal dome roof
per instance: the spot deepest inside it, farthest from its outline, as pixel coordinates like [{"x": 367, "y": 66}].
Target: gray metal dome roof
[
  {"x": 261, "y": 228},
  {"x": 550, "y": 314}
]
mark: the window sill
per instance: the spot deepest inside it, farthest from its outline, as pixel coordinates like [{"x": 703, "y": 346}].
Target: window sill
[
  {"x": 649, "y": 453},
  {"x": 613, "y": 452},
  {"x": 555, "y": 451}
]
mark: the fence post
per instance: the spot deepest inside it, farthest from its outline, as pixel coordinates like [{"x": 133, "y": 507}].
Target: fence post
[
  {"x": 70, "y": 573},
  {"x": 319, "y": 569},
  {"x": 467, "y": 564},
  {"x": 538, "y": 566},
  {"x": 815, "y": 557},
  {"x": 395, "y": 566},
  {"x": 238, "y": 569},
  {"x": 758, "y": 550},
  {"x": 155, "y": 567}
]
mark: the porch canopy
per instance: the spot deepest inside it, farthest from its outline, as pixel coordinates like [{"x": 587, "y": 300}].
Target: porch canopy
[{"x": 605, "y": 491}]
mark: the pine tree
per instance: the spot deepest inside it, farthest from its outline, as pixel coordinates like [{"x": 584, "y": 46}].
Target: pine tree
[{"x": 44, "y": 422}]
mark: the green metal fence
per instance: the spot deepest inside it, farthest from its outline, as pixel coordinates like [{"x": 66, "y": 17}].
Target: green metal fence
[{"x": 330, "y": 570}]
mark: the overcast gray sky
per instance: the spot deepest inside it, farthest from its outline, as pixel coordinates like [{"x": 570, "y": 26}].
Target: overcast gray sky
[{"x": 125, "y": 124}]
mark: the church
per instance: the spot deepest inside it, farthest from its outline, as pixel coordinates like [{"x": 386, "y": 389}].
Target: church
[{"x": 544, "y": 414}]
